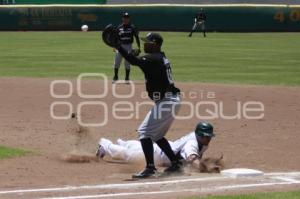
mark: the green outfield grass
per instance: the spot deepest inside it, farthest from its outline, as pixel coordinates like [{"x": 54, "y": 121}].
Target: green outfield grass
[
  {"x": 246, "y": 58},
  {"x": 6, "y": 152},
  {"x": 282, "y": 195}
]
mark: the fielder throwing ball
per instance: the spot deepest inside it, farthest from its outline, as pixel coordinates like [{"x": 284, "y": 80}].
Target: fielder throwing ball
[
  {"x": 161, "y": 89},
  {"x": 189, "y": 148},
  {"x": 199, "y": 21},
  {"x": 126, "y": 32}
]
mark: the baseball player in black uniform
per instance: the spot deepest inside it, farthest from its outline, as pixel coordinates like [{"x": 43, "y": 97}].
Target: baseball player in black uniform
[
  {"x": 126, "y": 32},
  {"x": 161, "y": 89},
  {"x": 199, "y": 21}
]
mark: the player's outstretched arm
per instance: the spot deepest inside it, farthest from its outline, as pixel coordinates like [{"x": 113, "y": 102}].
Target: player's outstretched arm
[{"x": 194, "y": 161}]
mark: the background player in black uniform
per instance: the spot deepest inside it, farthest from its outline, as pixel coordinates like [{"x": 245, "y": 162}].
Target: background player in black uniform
[
  {"x": 161, "y": 89},
  {"x": 199, "y": 21},
  {"x": 126, "y": 32}
]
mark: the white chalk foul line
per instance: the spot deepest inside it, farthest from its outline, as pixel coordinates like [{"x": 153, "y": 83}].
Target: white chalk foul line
[
  {"x": 130, "y": 185},
  {"x": 283, "y": 174},
  {"x": 286, "y": 179},
  {"x": 215, "y": 189},
  {"x": 113, "y": 195},
  {"x": 109, "y": 186}
]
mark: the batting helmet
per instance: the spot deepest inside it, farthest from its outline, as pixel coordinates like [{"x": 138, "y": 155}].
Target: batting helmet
[{"x": 204, "y": 129}]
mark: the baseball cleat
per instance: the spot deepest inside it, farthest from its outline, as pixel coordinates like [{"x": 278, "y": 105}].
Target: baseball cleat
[
  {"x": 115, "y": 79},
  {"x": 175, "y": 167},
  {"x": 146, "y": 173},
  {"x": 100, "y": 153}
]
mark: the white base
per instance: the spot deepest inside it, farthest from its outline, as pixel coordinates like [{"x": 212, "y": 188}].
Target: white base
[{"x": 241, "y": 172}]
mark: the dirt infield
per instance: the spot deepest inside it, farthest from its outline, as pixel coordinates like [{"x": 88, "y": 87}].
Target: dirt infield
[{"x": 270, "y": 144}]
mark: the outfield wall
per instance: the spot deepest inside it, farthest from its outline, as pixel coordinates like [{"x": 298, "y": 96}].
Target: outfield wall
[
  {"x": 152, "y": 17},
  {"x": 22, "y": 2}
]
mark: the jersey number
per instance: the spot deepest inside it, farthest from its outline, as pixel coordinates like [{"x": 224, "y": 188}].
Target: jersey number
[{"x": 169, "y": 70}]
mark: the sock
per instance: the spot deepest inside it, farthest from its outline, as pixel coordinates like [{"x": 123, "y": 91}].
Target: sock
[
  {"x": 148, "y": 150},
  {"x": 166, "y": 148},
  {"x": 116, "y": 72},
  {"x": 127, "y": 74}
]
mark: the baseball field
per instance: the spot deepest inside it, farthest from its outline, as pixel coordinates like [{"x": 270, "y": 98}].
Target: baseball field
[{"x": 226, "y": 72}]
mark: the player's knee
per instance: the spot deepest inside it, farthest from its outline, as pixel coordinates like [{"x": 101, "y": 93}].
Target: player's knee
[{"x": 145, "y": 136}]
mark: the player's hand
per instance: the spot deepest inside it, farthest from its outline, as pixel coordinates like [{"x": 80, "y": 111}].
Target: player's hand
[
  {"x": 211, "y": 165},
  {"x": 135, "y": 52}
]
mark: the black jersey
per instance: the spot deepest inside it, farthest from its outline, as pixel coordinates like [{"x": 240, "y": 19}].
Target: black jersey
[
  {"x": 127, "y": 32},
  {"x": 157, "y": 71},
  {"x": 200, "y": 16}
]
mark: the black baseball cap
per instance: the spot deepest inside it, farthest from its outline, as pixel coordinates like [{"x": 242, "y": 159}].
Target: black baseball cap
[
  {"x": 153, "y": 37},
  {"x": 126, "y": 15}
]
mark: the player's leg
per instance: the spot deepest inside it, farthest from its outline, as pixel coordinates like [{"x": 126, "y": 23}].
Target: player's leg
[
  {"x": 160, "y": 158},
  {"x": 147, "y": 147},
  {"x": 113, "y": 150},
  {"x": 117, "y": 63},
  {"x": 130, "y": 144},
  {"x": 168, "y": 108},
  {"x": 203, "y": 29},
  {"x": 127, "y": 64},
  {"x": 166, "y": 148},
  {"x": 121, "y": 142},
  {"x": 193, "y": 29},
  {"x": 158, "y": 122},
  {"x": 150, "y": 170},
  {"x": 134, "y": 151}
]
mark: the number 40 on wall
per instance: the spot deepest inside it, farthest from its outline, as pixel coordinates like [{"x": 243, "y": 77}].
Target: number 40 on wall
[{"x": 293, "y": 16}]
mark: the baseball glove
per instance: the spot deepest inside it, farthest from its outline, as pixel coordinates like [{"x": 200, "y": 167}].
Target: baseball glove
[
  {"x": 211, "y": 165},
  {"x": 135, "y": 52},
  {"x": 110, "y": 36}
]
